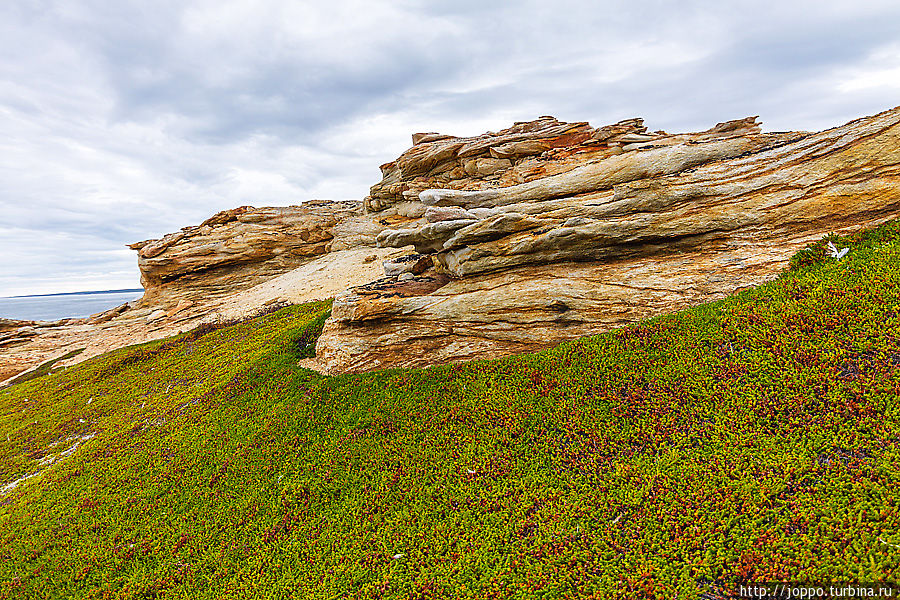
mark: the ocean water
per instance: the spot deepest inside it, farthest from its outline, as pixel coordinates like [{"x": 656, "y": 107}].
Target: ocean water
[{"x": 62, "y": 306}]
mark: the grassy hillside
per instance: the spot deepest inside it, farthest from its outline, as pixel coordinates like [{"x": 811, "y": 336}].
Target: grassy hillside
[{"x": 750, "y": 439}]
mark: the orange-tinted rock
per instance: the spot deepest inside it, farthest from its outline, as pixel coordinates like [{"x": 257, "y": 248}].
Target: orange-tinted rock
[
  {"x": 236, "y": 249},
  {"x": 656, "y": 223}
]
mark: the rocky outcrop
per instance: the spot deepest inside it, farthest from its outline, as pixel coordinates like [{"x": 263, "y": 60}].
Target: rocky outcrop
[
  {"x": 526, "y": 152},
  {"x": 230, "y": 266},
  {"x": 10, "y": 325},
  {"x": 587, "y": 229},
  {"x": 239, "y": 248},
  {"x": 506, "y": 242},
  {"x": 236, "y": 249}
]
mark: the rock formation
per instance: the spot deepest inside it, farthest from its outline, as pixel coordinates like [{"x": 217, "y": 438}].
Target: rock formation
[
  {"x": 507, "y": 242},
  {"x": 230, "y": 266},
  {"x": 548, "y": 231},
  {"x": 235, "y": 248}
]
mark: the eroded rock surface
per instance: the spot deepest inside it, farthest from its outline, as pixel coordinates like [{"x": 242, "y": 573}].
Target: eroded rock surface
[
  {"x": 604, "y": 227},
  {"x": 236, "y": 249},
  {"x": 506, "y": 242},
  {"x": 230, "y": 266}
]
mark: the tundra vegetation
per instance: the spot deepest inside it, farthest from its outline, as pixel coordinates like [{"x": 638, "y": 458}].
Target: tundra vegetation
[{"x": 750, "y": 439}]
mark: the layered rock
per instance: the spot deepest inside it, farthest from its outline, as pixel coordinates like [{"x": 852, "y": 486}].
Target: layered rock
[
  {"x": 235, "y": 249},
  {"x": 239, "y": 248},
  {"x": 610, "y": 226},
  {"x": 525, "y": 152},
  {"x": 230, "y": 266},
  {"x": 507, "y": 242}
]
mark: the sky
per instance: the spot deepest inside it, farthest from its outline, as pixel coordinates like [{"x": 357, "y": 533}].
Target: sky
[{"x": 122, "y": 121}]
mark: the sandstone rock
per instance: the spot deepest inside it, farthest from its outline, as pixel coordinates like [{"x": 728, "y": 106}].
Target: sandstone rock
[
  {"x": 451, "y": 213},
  {"x": 482, "y": 167},
  {"x": 107, "y": 315},
  {"x": 182, "y": 305},
  {"x": 239, "y": 248},
  {"x": 514, "y": 150},
  {"x": 469, "y": 162},
  {"x": 678, "y": 220},
  {"x": 411, "y": 263},
  {"x": 229, "y": 265},
  {"x": 319, "y": 279},
  {"x": 428, "y": 238},
  {"x": 362, "y": 230},
  {"x": 558, "y": 230},
  {"x": 9, "y": 341},
  {"x": 207, "y": 260},
  {"x": 14, "y": 324},
  {"x": 156, "y": 315}
]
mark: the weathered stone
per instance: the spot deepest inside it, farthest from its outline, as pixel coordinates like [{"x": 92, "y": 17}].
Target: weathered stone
[
  {"x": 514, "y": 150},
  {"x": 452, "y": 213},
  {"x": 482, "y": 167},
  {"x": 411, "y": 263},
  {"x": 107, "y": 315},
  {"x": 230, "y": 265},
  {"x": 14, "y": 324},
  {"x": 182, "y": 305},
  {"x": 577, "y": 230},
  {"x": 156, "y": 315},
  {"x": 473, "y": 163},
  {"x": 681, "y": 219},
  {"x": 601, "y": 175},
  {"x": 429, "y": 238},
  {"x": 236, "y": 249},
  {"x": 240, "y": 248},
  {"x": 424, "y": 138}
]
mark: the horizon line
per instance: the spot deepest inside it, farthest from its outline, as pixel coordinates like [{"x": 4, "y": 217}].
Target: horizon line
[{"x": 74, "y": 293}]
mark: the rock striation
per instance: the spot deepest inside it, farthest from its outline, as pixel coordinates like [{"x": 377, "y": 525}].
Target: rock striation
[
  {"x": 549, "y": 231},
  {"x": 239, "y": 248},
  {"x": 507, "y": 242},
  {"x": 230, "y": 266},
  {"x": 235, "y": 248}
]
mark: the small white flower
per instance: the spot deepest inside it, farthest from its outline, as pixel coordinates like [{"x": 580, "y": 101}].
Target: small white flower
[
  {"x": 398, "y": 556},
  {"x": 835, "y": 253}
]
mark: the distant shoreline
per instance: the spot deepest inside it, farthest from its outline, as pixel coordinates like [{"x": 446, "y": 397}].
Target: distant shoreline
[{"x": 75, "y": 293}]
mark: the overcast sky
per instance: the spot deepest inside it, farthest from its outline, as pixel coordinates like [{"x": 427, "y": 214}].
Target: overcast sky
[{"x": 122, "y": 121}]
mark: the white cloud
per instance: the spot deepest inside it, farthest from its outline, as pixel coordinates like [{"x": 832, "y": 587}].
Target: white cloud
[{"x": 880, "y": 71}]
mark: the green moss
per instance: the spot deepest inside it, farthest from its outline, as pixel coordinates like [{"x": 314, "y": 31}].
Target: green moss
[{"x": 751, "y": 439}]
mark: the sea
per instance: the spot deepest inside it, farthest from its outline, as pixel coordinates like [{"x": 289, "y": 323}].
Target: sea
[{"x": 52, "y": 307}]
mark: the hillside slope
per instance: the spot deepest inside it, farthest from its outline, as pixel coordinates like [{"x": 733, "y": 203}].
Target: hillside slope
[{"x": 751, "y": 439}]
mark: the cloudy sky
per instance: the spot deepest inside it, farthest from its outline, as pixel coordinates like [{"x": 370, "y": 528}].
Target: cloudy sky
[{"x": 122, "y": 121}]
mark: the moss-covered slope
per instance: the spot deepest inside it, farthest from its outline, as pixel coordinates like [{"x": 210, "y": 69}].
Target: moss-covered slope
[{"x": 752, "y": 439}]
